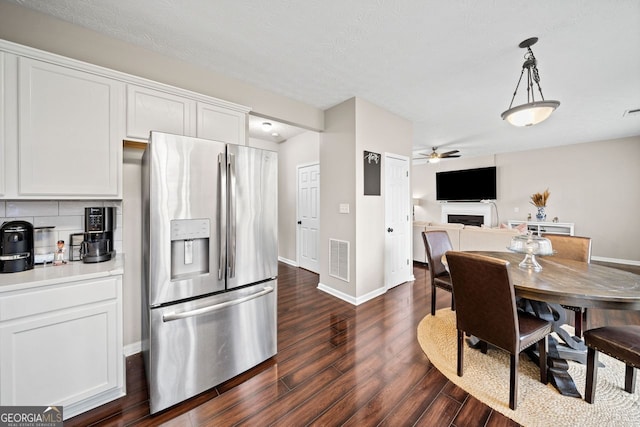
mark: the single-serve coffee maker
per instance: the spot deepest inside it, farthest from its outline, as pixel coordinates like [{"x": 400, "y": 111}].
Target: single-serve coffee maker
[
  {"x": 16, "y": 246},
  {"x": 99, "y": 224}
]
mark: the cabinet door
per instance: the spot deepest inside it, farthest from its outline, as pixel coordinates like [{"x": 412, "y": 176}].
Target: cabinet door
[
  {"x": 149, "y": 109},
  {"x": 221, "y": 124},
  {"x": 3, "y": 111},
  {"x": 70, "y": 132},
  {"x": 60, "y": 358},
  {"x": 62, "y": 345}
]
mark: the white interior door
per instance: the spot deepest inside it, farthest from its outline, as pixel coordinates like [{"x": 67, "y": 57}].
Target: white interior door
[
  {"x": 308, "y": 235},
  {"x": 397, "y": 221}
]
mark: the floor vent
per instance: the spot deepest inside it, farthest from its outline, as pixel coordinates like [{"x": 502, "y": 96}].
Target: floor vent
[{"x": 339, "y": 259}]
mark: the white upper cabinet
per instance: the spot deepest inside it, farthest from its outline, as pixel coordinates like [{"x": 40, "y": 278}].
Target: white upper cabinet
[
  {"x": 3, "y": 111},
  {"x": 221, "y": 124},
  {"x": 63, "y": 122},
  {"x": 150, "y": 109},
  {"x": 69, "y": 132}
]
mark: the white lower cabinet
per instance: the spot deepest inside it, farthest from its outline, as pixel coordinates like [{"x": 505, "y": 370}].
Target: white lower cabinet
[{"x": 62, "y": 345}]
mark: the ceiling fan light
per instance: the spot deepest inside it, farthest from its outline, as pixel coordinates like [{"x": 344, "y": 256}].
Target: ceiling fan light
[
  {"x": 433, "y": 159},
  {"x": 530, "y": 114}
]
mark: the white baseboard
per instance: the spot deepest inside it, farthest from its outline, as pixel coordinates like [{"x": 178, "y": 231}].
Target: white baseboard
[
  {"x": 133, "y": 348},
  {"x": 348, "y": 298},
  {"x": 615, "y": 260},
  {"x": 288, "y": 261}
]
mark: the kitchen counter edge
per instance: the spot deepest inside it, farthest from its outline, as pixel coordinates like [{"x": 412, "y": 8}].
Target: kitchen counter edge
[{"x": 55, "y": 274}]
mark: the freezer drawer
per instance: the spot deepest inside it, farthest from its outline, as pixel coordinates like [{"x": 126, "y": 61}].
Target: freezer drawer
[{"x": 199, "y": 344}]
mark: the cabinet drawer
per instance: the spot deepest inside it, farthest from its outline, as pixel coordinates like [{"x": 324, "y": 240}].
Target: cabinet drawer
[{"x": 45, "y": 299}]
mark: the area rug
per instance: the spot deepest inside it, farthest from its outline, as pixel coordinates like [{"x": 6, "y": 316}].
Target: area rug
[{"x": 486, "y": 377}]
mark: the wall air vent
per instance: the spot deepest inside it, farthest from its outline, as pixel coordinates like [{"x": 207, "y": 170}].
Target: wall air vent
[
  {"x": 632, "y": 113},
  {"x": 339, "y": 259}
]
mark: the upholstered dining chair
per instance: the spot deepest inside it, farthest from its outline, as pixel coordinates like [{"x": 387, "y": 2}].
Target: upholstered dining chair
[
  {"x": 437, "y": 243},
  {"x": 579, "y": 249},
  {"x": 486, "y": 309},
  {"x": 620, "y": 342}
]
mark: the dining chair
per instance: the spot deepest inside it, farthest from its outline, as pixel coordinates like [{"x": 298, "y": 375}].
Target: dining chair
[
  {"x": 486, "y": 309},
  {"x": 437, "y": 243},
  {"x": 579, "y": 249},
  {"x": 620, "y": 342}
]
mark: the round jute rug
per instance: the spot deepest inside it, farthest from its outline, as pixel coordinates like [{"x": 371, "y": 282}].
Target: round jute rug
[{"x": 486, "y": 377}]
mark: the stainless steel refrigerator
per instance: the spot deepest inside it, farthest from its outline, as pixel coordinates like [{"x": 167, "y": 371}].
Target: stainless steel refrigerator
[{"x": 209, "y": 263}]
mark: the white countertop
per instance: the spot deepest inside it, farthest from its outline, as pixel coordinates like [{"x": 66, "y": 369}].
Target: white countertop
[{"x": 55, "y": 274}]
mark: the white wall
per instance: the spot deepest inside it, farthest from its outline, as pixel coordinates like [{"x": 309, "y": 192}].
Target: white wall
[
  {"x": 31, "y": 28},
  {"x": 351, "y": 128},
  {"x": 300, "y": 150},
  {"x": 594, "y": 185},
  {"x": 338, "y": 185},
  {"x": 379, "y": 131},
  {"x": 132, "y": 223}
]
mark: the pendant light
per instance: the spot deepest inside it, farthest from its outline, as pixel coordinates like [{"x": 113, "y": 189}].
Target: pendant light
[{"x": 533, "y": 112}]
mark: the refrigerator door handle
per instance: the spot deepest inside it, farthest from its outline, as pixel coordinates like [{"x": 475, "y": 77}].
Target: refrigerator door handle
[
  {"x": 222, "y": 213},
  {"x": 232, "y": 216},
  {"x": 204, "y": 310}
]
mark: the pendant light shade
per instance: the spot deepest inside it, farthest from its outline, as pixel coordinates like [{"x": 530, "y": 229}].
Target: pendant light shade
[{"x": 532, "y": 112}]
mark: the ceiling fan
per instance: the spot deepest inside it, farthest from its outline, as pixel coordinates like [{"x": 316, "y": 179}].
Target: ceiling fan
[{"x": 435, "y": 157}]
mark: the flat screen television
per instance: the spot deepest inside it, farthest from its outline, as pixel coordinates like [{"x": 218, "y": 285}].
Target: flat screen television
[{"x": 467, "y": 184}]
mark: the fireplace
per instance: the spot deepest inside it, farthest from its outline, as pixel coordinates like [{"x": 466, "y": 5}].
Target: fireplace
[
  {"x": 476, "y": 220},
  {"x": 467, "y": 213}
]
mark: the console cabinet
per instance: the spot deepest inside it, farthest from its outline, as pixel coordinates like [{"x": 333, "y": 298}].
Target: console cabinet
[
  {"x": 419, "y": 251},
  {"x": 62, "y": 345},
  {"x": 539, "y": 228}
]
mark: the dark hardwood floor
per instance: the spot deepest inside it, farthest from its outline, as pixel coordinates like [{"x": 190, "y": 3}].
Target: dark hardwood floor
[{"x": 336, "y": 365}]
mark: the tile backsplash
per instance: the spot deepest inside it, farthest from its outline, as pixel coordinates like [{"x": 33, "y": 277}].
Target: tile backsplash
[{"x": 67, "y": 216}]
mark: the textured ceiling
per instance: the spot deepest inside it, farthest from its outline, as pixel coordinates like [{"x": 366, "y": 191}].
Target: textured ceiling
[{"x": 448, "y": 66}]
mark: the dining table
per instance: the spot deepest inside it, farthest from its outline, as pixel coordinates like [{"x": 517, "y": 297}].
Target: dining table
[{"x": 562, "y": 282}]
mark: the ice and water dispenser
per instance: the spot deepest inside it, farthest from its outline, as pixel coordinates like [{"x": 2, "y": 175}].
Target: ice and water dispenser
[{"x": 189, "y": 247}]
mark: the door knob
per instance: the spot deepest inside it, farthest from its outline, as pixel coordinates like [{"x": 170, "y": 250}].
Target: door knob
[
  {"x": 389, "y": 230},
  {"x": 299, "y": 222}
]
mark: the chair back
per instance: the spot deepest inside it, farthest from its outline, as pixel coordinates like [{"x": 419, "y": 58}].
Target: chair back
[
  {"x": 485, "y": 299},
  {"x": 571, "y": 247},
  {"x": 436, "y": 243}
]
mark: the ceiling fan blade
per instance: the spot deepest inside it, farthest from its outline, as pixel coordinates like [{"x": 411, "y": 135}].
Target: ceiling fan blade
[
  {"x": 450, "y": 157},
  {"x": 449, "y": 153}
]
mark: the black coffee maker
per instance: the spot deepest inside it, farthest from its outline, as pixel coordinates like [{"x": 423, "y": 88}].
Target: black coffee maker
[
  {"x": 99, "y": 224},
  {"x": 16, "y": 246}
]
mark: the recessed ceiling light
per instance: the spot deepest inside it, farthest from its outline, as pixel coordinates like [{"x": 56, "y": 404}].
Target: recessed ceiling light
[
  {"x": 275, "y": 134},
  {"x": 266, "y": 126}
]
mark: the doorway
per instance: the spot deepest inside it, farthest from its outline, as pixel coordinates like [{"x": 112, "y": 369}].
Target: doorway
[
  {"x": 397, "y": 216},
  {"x": 308, "y": 229}
]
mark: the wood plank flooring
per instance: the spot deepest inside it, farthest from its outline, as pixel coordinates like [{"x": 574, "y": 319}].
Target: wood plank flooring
[{"x": 336, "y": 365}]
